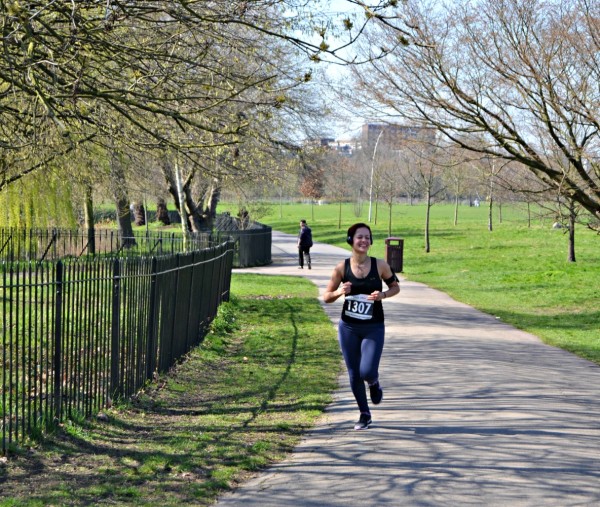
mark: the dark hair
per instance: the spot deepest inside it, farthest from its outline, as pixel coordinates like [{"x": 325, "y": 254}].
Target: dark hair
[
  {"x": 352, "y": 231},
  {"x": 303, "y": 221}
]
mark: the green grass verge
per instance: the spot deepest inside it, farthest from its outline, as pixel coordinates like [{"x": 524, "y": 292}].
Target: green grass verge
[
  {"x": 237, "y": 403},
  {"x": 517, "y": 272}
]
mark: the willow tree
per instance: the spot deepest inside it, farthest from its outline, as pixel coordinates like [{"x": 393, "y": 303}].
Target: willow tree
[{"x": 178, "y": 73}]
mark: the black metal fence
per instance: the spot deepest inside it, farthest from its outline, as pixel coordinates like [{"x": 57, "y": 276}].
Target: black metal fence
[
  {"x": 253, "y": 240},
  {"x": 51, "y": 244},
  {"x": 77, "y": 333}
]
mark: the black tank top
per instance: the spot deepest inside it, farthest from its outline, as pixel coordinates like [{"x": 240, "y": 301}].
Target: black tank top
[{"x": 357, "y": 309}]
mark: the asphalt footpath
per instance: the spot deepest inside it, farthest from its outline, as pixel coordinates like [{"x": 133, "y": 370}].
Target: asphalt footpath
[{"x": 474, "y": 413}]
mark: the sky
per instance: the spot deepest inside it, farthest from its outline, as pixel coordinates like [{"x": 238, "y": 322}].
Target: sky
[
  {"x": 335, "y": 72},
  {"x": 352, "y": 122}
]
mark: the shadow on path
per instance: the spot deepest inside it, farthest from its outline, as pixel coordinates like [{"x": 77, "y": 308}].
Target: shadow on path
[{"x": 475, "y": 412}]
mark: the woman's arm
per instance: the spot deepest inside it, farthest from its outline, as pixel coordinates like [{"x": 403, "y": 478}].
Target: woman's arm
[
  {"x": 334, "y": 290},
  {"x": 390, "y": 279}
]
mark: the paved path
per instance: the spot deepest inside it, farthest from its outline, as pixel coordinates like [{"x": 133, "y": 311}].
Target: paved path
[{"x": 475, "y": 413}]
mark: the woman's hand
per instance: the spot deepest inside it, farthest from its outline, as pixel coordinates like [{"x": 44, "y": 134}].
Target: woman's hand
[
  {"x": 345, "y": 288},
  {"x": 335, "y": 287}
]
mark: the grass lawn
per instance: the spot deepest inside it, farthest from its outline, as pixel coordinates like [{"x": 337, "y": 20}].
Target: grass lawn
[
  {"x": 518, "y": 272},
  {"x": 243, "y": 398},
  {"x": 238, "y": 402}
]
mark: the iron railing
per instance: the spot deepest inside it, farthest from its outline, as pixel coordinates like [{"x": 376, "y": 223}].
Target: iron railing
[
  {"x": 52, "y": 244},
  {"x": 253, "y": 240},
  {"x": 76, "y": 334}
]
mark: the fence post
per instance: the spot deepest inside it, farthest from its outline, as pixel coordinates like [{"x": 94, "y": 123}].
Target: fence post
[
  {"x": 173, "y": 344},
  {"x": 229, "y": 248},
  {"x": 58, "y": 280},
  {"x": 151, "y": 340},
  {"x": 91, "y": 235},
  {"x": 115, "y": 387}
]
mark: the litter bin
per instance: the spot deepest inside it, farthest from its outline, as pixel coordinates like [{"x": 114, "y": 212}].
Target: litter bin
[{"x": 394, "y": 253}]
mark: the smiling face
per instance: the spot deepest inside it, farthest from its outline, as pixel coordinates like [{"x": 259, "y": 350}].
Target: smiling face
[{"x": 361, "y": 242}]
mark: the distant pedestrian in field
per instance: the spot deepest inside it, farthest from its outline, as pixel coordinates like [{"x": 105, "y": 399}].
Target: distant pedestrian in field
[
  {"x": 361, "y": 329},
  {"x": 305, "y": 243}
]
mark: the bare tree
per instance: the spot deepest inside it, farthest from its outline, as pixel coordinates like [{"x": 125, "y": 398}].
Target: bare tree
[
  {"x": 564, "y": 214},
  {"x": 520, "y": 74},
  {"x": 421, "y": 169},
  {"x": 312, "y": 185},
  {"x": 457, "y": 175},
  {"x": 337, "y": 173},
  {"x": 489, "y": 170},
  {"x": 388, "y": 185}
]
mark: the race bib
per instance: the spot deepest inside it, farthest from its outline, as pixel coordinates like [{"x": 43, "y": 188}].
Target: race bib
[{"x": 358, "y": 307}]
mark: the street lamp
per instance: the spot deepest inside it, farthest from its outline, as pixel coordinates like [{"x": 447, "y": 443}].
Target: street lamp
[
  {"x": 181, "y": 196},
  {"x": 372, "y": 170}
]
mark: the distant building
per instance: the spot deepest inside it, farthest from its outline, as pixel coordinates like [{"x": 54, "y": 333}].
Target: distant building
[
  {"x": 320, "y": 142},
  {"x": 392, "y": 134},
  {"x": 343, "y": 147},
  {"x": 346, "y": 147}
]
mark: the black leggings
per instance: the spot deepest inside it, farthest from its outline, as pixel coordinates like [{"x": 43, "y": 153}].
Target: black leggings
[{"x": 362, "y": 346}]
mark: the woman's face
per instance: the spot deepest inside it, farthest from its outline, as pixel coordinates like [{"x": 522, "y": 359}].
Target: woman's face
[{"x": 362, "y": 239}]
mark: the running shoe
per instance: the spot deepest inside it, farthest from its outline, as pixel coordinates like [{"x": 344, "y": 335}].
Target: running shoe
[
  {"x": 364, "y": 422},
  {"x": 376, "y": 393}
]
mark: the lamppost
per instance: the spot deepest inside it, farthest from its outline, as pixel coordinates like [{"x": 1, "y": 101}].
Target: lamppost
[
  {"x": 372, "y": 171},
  {"x": 182, "y": 212}
]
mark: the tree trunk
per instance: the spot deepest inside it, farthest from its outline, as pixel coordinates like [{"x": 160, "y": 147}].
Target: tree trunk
[
  {"x": 572, "y": 218},
  {"x": 122, "y": 201},
  {"x": 281, "y": 202},
  {"x": 455, "y": 210},
  {"x": 427, "y": 214},
  {"x": 124, "y": 222},
  {"x": 490, "y": 217},
  {"x": 139, "y": 214},
  {"x": 358, "y": 206},
  {"x": 88, "y": 213},
  {"x": 244, "y": 218},
  {"x": 390, "y": 220},
  {"x": 162, "y": 213},
  {"x": 196, "y": 222},
  {"x": 182, "y": 211},
  {"x": 213, "y": 201},
  {"x": 182, "y": 197}
]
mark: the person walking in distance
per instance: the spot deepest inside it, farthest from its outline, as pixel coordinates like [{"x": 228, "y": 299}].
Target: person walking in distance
[
  {"x": 305, "y": 243},
  {"x": 361, "y": 329}
]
